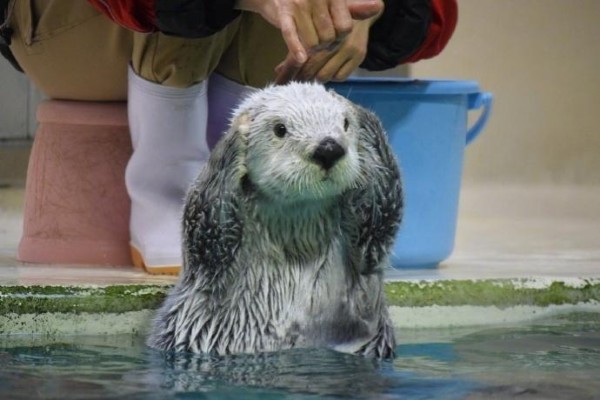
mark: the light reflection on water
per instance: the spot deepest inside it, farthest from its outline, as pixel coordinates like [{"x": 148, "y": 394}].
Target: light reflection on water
[{"x": 557, "y": 359}]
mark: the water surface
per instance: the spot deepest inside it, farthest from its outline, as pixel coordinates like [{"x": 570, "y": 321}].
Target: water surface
[{"x": 551, "y": 359}]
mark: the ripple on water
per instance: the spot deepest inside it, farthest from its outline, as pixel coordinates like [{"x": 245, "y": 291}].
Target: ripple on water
[{"x": 558, "y": 359}]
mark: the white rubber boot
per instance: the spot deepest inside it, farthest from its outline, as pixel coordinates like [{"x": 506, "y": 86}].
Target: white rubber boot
[
  {"x": 224, "y": 95},
  {"x": 168, "y": 132}
]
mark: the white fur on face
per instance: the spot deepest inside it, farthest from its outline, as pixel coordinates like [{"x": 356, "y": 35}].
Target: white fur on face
[{"x": 281, "y": 167}]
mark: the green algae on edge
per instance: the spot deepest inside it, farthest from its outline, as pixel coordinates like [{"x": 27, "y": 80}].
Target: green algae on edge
[
  {"x": 498, "y": 293},
  {"x": 70, "y": 299},
  {"x": 123, "y": 298}
]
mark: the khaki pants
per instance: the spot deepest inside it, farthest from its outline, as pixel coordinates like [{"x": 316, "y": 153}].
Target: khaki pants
[{"x": 70, "y": 51}]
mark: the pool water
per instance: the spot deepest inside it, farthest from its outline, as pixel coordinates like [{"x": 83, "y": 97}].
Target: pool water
[{"x": 550, "y": 359}]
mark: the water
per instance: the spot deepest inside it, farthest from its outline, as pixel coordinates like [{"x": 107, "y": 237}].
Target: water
[{"x": 551, "y": 359}]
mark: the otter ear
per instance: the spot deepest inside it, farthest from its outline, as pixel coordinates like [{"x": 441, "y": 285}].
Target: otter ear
[{"x": 212, "y": 227}]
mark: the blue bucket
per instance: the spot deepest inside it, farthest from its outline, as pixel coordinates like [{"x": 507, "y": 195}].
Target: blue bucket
[{"x": 426, "y": 122}]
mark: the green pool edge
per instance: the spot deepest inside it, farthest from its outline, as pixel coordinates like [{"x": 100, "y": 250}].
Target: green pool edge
[
  {"x": 129, "y": 308},
  {"x": 502, "y": 293}
]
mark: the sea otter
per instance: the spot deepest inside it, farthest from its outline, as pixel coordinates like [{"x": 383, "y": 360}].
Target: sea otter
[{"x": 287, "y": 230}]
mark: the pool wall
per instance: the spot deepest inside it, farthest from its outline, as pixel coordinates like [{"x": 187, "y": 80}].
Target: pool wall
[{"x": 120, "y": 309}]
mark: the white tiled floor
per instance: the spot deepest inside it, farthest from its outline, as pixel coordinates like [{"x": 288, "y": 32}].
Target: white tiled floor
[{"x": 503, "y": 232}]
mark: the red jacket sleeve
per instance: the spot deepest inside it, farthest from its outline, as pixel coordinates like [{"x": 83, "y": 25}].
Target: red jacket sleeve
[
  {"x": 182, "y": 18},
  {"x": 388, "y": 45},
  {"x": 444, "y": 16},
  {"x": 137, "y": 15},
  {"x": 409, "y": 31}
]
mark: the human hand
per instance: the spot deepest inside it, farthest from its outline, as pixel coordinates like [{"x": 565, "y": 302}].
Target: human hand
[
  {"x": 312, "y": 24},
  {"x": 336, "y": 62}
]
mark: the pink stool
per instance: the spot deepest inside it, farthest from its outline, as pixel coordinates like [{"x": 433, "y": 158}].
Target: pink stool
[{"x": 76, "y": 205}]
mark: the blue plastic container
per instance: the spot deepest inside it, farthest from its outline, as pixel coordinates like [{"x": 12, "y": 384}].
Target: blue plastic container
[{"x": 426, "y": 121}]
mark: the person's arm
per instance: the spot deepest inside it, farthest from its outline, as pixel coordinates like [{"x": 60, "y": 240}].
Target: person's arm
[
  {"x": 137, "y": 15},
  {"x": 444, "y": 17},
  {"x": 184, "y": 18},
  {"x": 409, "y": 31},
  {"x": 304, "y": 23}
]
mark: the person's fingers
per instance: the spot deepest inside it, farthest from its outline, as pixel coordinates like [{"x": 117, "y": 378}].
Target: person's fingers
[
  {"x": 337, "y": 63},
  {"x": 364, "y": 9},
  {"x": 326, "y": 73},
  {"x": 322, "y": 66},
  {"x": 291, "y": 38},
  {"x": 346, "y": 70},
  {"x": 298, "y": 27},
  {"x": 305, "y": 26},
  {"x": 323, "y": 22},
  {"x": 342, "y": 20},
  {"x": 350, "y": 55},
  {"x": 338, "y": 66},
  {"x": 313, "y": 68},
  {"x": 322, "y": 60}
]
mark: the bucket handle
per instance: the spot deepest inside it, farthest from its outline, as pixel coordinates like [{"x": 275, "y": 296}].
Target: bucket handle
[{"x": 476, "y": 101}]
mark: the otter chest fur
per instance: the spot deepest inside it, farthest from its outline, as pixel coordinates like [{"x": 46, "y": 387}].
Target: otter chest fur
[{"x": 286, "y": 232}]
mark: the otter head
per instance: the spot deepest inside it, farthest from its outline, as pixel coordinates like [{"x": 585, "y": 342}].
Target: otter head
[{"x": 301, "y": 142}]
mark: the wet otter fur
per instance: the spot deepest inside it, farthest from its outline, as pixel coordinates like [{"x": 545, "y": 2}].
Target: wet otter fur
[{"x": 286, "y": 232}]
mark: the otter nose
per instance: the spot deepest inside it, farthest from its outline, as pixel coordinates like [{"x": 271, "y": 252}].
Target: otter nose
[{"x": 327, "y": 153}]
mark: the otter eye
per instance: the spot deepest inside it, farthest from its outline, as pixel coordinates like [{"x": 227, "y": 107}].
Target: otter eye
[
  {"x": 346, "y": 124},
  {"x": 280, "y": 130}
]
